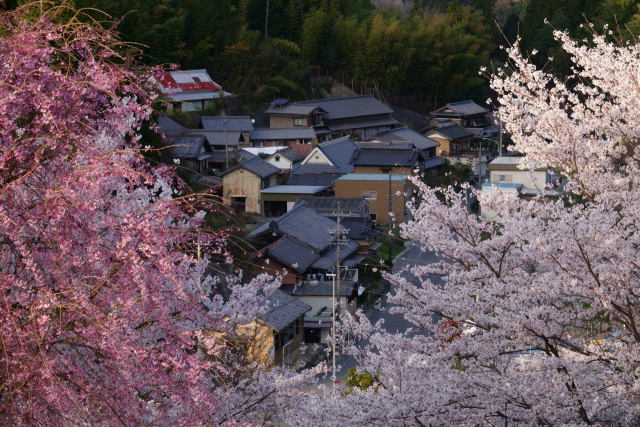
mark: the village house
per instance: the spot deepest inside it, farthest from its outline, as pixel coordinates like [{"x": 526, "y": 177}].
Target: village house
[
  {"x": 235, "y": 124},
  {"x": 359, "y": 116},
  {"x": 385, "y": 193},
  {"x": 275, "y": 337},
  {"x": 533, "y": 177},
  {"x": 424, "y": 145},
  {"x": 285, "y": 159},
  {"x": 457, "y": 145},
  {"x": 242, "y": 184},
  {"x": 467, "y": 114},
  {"x": 280, "y": 199},
  {"x": 326, "y": 162},
  {"x": 189, "y": 90},
  {"x": 297, "y": 244},
  {"x": 385, "y": 157},
  {"x": 355, "y": 216},
  {"x": 300, "y": 139}
]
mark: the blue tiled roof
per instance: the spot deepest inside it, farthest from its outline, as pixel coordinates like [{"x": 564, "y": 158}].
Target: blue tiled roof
[
  {"x": 292, "y": 254},
  {"x": 283, "y": 310},
  {"x": 233, "y": 123},
  {"x": 257, "y": 166},
  {"x": 418, "y": 140},
  {"x": 340, "y": 152},
  {"x": 352, "y": 106},
  {"x": 368, "y": 156}
]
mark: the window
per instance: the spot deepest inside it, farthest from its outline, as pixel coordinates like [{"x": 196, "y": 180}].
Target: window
[
  {"x": 504, "y": 178},
  {"x": 373, "y": 217},
  {"x": 277, "y": 158},
  {"x": 299, "y": 121},
  {"x": 370, "y": 195},
  {"x": 218, "y": 147},
  {"x": 305, "y": 141},
  {"x": 266, "y": 182}
]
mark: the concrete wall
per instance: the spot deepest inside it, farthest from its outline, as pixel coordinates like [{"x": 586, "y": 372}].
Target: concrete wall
[
  {"x": 380, "y": 205},
  {"x": 537, "y": 181},
  {"x": 242, "y": 183}
]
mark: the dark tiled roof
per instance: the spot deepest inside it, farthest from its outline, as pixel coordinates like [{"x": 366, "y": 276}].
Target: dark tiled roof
[
  {"x": 293, "y": 109},
  {"x": 326, "y": 180},
  {"x": 290, "y": 154},
  {"x": 360, "y": 228},
  {"x": 264, "y": 134},
  {"x": 362, "y": 122},
  {"x": 303, "y": 224},
  {"x": 433, "y": 162},
  {"x": 256, "y": 165},
  {"x": 328, "y": 206},
  {"x": 352, "y": 106},
  {"x": 314, "y": 169},
  {"x": 339, "y": 152},
  {"x": 452, "y": 132},
  {"x": 283, "y": 310},
  {"x": 328, "y": 260},
  {"x": 186, "y": 146},
  {"x": 385, "y": 157},
  {"x": 233, "y": 123},
  {"x": 231, "y": 138},
  {"x": 460, "y": 109},
  {"x": 323, "y": 288},
  {"x": 168, "y": 126},
  {"x": 418, "y": 140},
  {"x": 292, "y": 254}
]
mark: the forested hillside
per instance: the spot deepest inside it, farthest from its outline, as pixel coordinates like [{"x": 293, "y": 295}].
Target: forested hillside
[{"x": 422, "y": 54}]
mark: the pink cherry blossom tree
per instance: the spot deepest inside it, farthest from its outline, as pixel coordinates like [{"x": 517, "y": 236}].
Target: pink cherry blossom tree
[
  {"x": 106, "y": 311},
  {"x": 536, "y": 321}
]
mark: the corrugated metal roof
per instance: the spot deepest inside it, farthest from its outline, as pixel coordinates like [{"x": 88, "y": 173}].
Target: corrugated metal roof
[
  {"x": 372, "y": 177},
  {"x": 352, "y": 106},
  {"x": 264, "y": 134},
  {"x": 283, "y": 310},
  {"x": 418, "y": 140},
  {"x": 237, "y": 123},
  {"x": 186, "y": 81},
  {"x": 293, "y": 189}
]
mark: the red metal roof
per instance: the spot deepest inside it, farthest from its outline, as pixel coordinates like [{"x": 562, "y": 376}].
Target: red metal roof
[{"x": 168, "y": 82}]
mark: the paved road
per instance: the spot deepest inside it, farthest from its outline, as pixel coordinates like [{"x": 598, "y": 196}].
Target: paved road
[{"x": 412, "y": 255}]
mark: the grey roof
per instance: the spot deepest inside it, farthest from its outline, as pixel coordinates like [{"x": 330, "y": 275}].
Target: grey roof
[
  {"x": 385, "y": 157},
  {"x": 264, "y": 134},
  {"x": 283, "y": 310},
  {"x": 293, "y": 189},
  {"x": 433, "y": 162},
  {"x": 293, "y": 254},
  {"x": 352, "y": 106},
  {"x": 256, "y": 165},
  {"x": 243, "y": 155},
  {"x": 217, "y": 137},
  {"x": 293, "y": 109},
  {"x": 328, "y": 206},
  {"x": 326, "y": 180},
  {"x": 314, "y": 169},
  {"x": 460, "y": 109},
  {"x": 328, "y": 260},
  {"x": 168, "y": 126},
  {"x": 237, "y": 123},
  {"x": 323, "y": 288},
  {"x": 418, "y": 140},
  {"x": 452, "y": 132},
  {"x": 290, "y": 154},
  {"x": 302, "y": 223},
  {"x": 339, "y": 151},
  {"x": 186, "y": 146},
  {"x": 362, "y": 122},
  {"x": 360, "y": 228}
]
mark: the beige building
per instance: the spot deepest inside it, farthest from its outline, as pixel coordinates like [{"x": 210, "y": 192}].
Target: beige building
[
  {"x": 384, "y": 192},
  {"x": 241, "y": 185},
  {"x": 516, "y": 170}
]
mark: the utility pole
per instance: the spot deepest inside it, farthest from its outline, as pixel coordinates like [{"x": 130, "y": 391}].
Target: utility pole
[
  {"x": 390, "y": 222},
  {"x": 340, "y": 239},
  {"x": 500, "y": 142}
]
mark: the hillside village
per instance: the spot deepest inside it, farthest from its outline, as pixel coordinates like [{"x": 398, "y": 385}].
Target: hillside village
[{"x": 322, "y": 189}]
